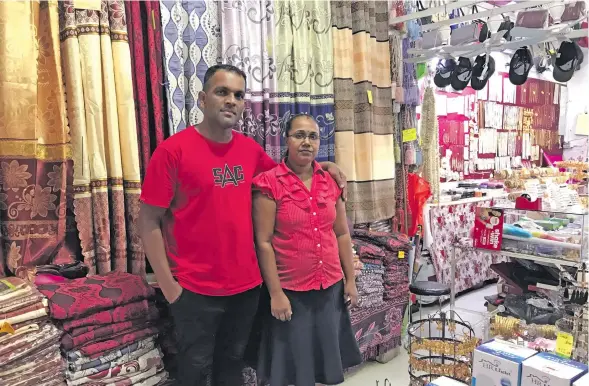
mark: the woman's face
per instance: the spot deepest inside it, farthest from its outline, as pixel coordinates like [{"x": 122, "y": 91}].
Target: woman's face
[{"x": 303, "y": 140}]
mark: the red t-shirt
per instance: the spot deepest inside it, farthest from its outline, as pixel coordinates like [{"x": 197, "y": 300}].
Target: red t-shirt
[
  {"x": 305, "y": 245},
  {"x": 208, "y": 231}
]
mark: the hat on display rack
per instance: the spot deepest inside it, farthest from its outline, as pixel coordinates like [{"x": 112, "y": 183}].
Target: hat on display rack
[
  {"x": 569, "y": 56},
  {"x": 520, "y": 66},
  {"x": 444, "y": 71},
  {"x": 462, "y": 74},
  {"x": 481, "y": 72}
]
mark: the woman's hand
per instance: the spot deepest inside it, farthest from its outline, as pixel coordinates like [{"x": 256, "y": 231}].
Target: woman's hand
[
  {"x": 338, "y": 176},
  {"x": 280, "y": 306},
  {"x": 351, "y": 294}
]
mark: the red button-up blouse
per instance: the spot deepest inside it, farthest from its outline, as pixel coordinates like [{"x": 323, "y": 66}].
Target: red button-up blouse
[{"x": 304, "y": 241}]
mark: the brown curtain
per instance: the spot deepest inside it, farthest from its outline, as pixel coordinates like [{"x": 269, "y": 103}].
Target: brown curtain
[
  {"x": 101, "y": 113},
  {"x": 364, "y": 146},
  {"x": 35, "y": 154}
]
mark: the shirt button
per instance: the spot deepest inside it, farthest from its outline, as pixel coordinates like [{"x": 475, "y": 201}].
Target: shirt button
[
  {"x": 320, "y": 262},
  {"x": 314, "y": 213},
  {"x": 315, "y": 229},
  {"x": 310, "y": 198},
  {"x": 318, "y": 245}
]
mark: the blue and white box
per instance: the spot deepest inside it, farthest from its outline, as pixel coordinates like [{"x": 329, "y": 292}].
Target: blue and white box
[
  {"x": 499, "y": 363},
  {"x": 547, "y": 369}
]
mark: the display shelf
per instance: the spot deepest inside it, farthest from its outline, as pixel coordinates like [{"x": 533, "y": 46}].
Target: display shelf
[
  {"x": 540, "y": 259},
  {"x": 545, "y": 242}
]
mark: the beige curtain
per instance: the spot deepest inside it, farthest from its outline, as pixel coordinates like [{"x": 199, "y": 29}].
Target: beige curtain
[
  {"x": 35, "y": 156},
  {"x": 364, "y": 146},
  {"x": 101, "y": 113}
]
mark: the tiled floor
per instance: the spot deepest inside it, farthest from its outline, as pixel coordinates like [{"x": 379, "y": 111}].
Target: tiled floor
[{"x": 395, "y": 373}]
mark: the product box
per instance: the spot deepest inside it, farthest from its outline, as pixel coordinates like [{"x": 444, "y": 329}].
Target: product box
[
  {"x": 445, "y": 381},
  {"x": 547, "y": 369},
  {"x": 583, "y": 381},
  {"x": 499, "y": 363}
]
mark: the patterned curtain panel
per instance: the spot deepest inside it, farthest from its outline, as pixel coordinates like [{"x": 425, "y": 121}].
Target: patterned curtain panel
[
  {"x": 35, "y": 155},
  {"x": 304, "y": 59},
  {"x": 192, "y": 44},
  {"x": 145, "y": 40},
  {"x": 248, "y": 42},
  {"x": 363, "y": 108},
  {"x": 101, "y": 114}
]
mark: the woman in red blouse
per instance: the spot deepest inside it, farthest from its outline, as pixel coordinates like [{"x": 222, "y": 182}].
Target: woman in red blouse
[{"x": 303, "y": 245}]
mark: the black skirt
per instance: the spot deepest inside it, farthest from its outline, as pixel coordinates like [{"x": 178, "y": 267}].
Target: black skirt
[{"x": 315, "y": 346}]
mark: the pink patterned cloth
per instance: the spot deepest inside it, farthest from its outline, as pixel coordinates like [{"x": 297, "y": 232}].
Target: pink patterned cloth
[{"x": 472, "y": 267}]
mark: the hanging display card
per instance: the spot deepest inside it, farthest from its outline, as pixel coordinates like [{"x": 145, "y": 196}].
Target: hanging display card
[
  {"x": 410, "y": 135},
  {"x": 488, "y": 229}
]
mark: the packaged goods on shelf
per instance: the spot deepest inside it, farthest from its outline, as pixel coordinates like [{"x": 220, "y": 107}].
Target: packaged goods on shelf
[
  {"x": 550, "y": 369},
  {"x": 498, "y": 363}
]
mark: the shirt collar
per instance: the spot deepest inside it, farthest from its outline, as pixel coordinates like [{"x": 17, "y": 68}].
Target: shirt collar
[{"x": 283, "y": 169}]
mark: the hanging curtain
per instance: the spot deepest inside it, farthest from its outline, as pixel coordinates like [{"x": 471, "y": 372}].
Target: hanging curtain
[
  {"x": 304, "y": 59},
  {"x": 363, "y": 108},
  {"x": 35, "y": 155},
  {"x": 145, "y": 40},
  {"x": 101, "y": 114},
  {"x": 192, "y": 44},
  {"x": 248, "y": 42}
]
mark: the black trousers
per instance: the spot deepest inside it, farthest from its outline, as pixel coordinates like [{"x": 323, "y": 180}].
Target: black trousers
[{"x": 212, "y": 334}]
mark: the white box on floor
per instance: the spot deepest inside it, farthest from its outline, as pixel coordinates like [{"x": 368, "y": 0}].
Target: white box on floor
[
  {"x": 499, "y": 363},
  {"x": 547, "y": 369},
  {"x": 445, "y": 381},
  {"x": 583, "y": 381}
]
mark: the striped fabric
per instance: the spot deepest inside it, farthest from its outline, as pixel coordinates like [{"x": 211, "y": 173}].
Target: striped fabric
[{"x": 363, "y": 108}]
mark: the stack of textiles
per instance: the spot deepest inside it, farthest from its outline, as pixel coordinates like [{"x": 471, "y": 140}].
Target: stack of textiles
[
  {"x": 369, "y": 281},
  {"x": 29, "y": 342},
  {"x": 110, "y": 330},
  {"x": 396, "y": 268}
]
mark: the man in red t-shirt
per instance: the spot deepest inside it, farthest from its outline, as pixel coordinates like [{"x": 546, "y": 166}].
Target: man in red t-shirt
[{"x": 196, "y": 228}]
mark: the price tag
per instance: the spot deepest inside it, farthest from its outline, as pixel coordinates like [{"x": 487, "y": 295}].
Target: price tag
[
  {"x": 369, "y": 93},
  {"x": 93, "y": 5},
  {"x": 410, "y": 135},
  {"x": 564, "y": 344},
  {"x": 6, "y": 327},
  {"x": 401, "y": 254}
]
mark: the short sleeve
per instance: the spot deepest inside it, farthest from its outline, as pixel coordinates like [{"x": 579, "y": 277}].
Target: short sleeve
[
  {"x": 159, "y": 184},
  {"x": 334, "y": 189},
  {"x": 266, "y": 185},
  {"x": 265, "y": 163}
]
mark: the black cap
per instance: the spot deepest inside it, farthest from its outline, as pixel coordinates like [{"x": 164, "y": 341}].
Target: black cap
[
  {"x": 506, "y": 26},
  {"x": 462, "y": 74},
  {"x": 569, "y": 56},
  {"x": 444, "y": 71},
  {"x": 485, "y": 32},
  {"x": 480, "y": 70},
  {"x": 520, "y": 66}
]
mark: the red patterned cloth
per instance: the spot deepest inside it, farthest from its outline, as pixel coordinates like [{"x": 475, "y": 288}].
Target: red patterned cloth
[
  {"x": 82, "y": 297},
  {"x": 118, "y": 314},
  {"x": 96, "y": 350},
  {"x": 145, "y": 41},
  {"x": 98, "y": 333}
]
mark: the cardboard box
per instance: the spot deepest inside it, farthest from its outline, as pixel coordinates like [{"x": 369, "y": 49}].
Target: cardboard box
[
  {"x": 499, "y": 363},
  {"x": 547, "y": 369},
  {"x": 583, "y": 381},
  {"x": 445, "y": 381}
]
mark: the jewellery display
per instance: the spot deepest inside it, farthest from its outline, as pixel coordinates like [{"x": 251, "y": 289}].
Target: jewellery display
[{"x": 439, "y": 346}]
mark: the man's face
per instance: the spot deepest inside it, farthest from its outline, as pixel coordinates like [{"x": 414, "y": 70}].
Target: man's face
[{"x": 223, "y": 100}]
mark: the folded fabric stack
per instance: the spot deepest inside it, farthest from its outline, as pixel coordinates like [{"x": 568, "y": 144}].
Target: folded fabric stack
[
  {"x": 369, "y": 279},
  {"x": 396, "y": 267},
  {"x": 111, "y": 328},
  {"x": 29, "y": 342}
]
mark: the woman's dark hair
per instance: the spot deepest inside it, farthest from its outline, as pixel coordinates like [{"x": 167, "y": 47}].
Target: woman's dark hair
[{"x": 288, "y": 126}]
